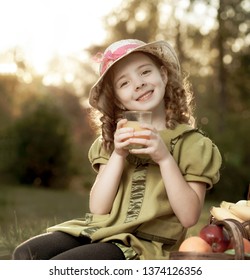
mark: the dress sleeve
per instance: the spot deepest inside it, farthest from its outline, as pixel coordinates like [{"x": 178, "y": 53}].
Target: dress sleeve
[
  {"x": 97, "y": 154},
  {"x": 199, "y": 159}
]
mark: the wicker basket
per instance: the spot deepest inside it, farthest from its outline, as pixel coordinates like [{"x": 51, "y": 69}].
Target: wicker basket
[{"x": 237, "y": 231}]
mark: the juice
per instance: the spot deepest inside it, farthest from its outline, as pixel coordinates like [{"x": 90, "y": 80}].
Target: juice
[{"x": 137, "y": 127}]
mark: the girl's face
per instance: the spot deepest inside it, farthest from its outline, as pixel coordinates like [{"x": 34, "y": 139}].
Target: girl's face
[{"x": 139, "y": 84}]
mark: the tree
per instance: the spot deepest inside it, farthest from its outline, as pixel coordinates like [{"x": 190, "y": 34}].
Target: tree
[
  {"x": 42, "y": 147},
  {"x": 44, "y": 134}
]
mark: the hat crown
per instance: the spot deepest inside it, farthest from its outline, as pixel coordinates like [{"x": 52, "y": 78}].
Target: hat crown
[{"x": 116, "y": 51}]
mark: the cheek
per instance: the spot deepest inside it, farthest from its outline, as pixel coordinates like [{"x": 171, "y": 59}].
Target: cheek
[
  {"x": 163, "y": 78},
  {"x": 122, "y": 95},
  {"x": 165, "y": 81},
  {"x": 121, "y": 99},
  {"x": 117, "y": 94},
  {"x": 162, "y": 83},
  {"x": 164, "y": 75}
]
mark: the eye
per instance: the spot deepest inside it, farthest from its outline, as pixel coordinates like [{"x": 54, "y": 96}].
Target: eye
[
  {"x": 146, "y": 72},
  {"x": 123, "y": 84}
]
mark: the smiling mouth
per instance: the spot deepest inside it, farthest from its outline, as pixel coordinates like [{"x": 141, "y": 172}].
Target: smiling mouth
[{"x": 145, "y": 96}]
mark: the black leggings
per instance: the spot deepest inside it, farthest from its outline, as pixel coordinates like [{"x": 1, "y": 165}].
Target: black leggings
[{"x": 62, "y": 246}]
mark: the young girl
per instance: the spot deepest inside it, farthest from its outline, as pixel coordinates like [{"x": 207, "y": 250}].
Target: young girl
[{"x": 143, "y": 200}]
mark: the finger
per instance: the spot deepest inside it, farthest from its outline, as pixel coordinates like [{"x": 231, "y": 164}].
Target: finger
[
  {"x": 121, "y": 123},
  {"x": 144, "y": 133},
  {"x": 140, "y": 141},
  {"x": 122, "y": 137},
  {"x": 145, "y": 151},
  {"x": 123, "y": 145}
]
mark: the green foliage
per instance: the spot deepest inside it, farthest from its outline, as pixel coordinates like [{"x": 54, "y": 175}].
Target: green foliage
[
  {"x": 44, "y": 135},
  {"x": 42, "y": 146},
  {"x": 232, "y": 140}
]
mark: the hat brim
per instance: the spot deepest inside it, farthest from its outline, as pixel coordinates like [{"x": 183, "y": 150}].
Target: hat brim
[{"x": 161, "y": 49}]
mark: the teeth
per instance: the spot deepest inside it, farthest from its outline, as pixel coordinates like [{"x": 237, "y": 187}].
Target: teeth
[{"x": 144, "y": 96}]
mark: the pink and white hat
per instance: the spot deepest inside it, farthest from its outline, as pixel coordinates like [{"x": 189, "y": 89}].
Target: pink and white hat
[{"x": 118, "y": 50}]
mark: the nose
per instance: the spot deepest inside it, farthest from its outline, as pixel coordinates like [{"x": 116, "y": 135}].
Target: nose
[{"x": 139, "y": 84}]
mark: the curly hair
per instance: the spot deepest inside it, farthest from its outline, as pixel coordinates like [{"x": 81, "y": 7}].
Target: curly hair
[{"x": 178, "y": 103}]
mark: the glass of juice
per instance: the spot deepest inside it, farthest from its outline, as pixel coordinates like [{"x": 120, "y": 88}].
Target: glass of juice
[{"x": 134, "y": 119}]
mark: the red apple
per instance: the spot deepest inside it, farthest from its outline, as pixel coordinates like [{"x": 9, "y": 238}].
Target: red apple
[{"x": 216, "y": 236}]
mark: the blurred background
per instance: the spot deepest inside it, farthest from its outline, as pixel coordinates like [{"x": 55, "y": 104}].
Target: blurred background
[{"x": 47, "y": 69}]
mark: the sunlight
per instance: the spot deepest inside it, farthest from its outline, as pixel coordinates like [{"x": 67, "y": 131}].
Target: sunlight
[
  {"x": 140, "y": 15},
  {"x": 8, "y": 68},
  {"x": 165, "y": 13},
  {"x": 237, "y": 45},
  {"x": 45, "y": 28},
  {"x": 227, "y": 59},
  {"x": 200, "y": 8}
]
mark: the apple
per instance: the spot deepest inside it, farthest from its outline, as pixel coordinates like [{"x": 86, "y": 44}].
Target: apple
[{"x": 216, "y": 236}]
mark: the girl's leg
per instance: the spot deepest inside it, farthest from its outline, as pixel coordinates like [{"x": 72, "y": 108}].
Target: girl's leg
[
  {"x": 46, "y": 246},
  {"x": 94, "y": 251}
]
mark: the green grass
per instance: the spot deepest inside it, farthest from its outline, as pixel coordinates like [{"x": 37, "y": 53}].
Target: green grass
[{"x": 27, "y": 211}]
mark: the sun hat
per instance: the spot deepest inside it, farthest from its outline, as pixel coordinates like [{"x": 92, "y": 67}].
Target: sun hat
[{"x": 120, "y": 49}]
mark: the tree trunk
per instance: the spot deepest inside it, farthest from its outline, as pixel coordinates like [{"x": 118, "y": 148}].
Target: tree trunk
[{"x": 222, "y": 76}]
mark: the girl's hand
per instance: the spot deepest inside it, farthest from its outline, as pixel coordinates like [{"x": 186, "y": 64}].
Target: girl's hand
[
  {"x": 154, "y": 145},
  {"x": 121, "y": 138}
]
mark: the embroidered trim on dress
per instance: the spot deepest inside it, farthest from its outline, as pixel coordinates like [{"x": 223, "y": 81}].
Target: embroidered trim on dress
[
  {"x": 88, "y": 231},
  {"x": 137, "y": 192},
  {"x": 128, "y": 252}
]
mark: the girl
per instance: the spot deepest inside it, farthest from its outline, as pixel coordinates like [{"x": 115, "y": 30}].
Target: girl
[{"x": 143, "y": 200}]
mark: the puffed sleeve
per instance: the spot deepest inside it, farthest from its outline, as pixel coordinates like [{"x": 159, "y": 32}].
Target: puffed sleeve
[
  {"x": 97, "y": 154},
  {"x": 199, "y": 159}
]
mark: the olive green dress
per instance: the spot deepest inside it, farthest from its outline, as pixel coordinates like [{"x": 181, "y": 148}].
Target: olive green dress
[{"x": 142, "y": 222}]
